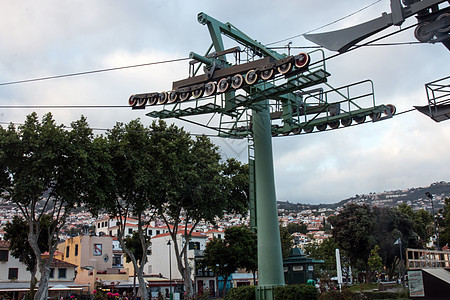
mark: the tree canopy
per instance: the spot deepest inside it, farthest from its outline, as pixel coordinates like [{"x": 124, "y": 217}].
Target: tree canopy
[
  {"x": 359, "y": 228},
  {"x": 46, "y": 169},
  {"x": 236, "y": 250}
]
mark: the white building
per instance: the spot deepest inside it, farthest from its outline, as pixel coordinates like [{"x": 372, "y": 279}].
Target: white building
[{"x": 14, "y": 276}]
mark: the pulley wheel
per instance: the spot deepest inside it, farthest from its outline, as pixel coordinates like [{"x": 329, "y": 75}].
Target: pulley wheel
[
  {"x": 346, "y": 122},
  {"x": 444, "y": 22},
  {"x": 308, "y": 129},
  {"x": 359, "y": 119},
  {"x": 141, "y": 101},
  {"x": 267, "y": 74},
  {"x": 185, "y": 96},
  {"x": 284, "y": 68},
  {"x": 222, "y": 85},
  {"x": 390, "y": 110},
  {"x": 297, "y": 130},
  {"x": 210, "y": 88},
  {"x": 321, "y": 127},
  {"x": 301, "y": 60},
  {"x": 237, "y": 81},
  {"x": 333, "y": 124},
  {"x": 153, "y": 100},
  {"x": 375, "y": 115},
  {"x": 132, "y": 100},
  {"x": 197, "y": 93},
  {"x": 422, "y": 33},
  {"x": 162, "y": 97},
  {"x": 251, "y": 77},
  {"x": 173, "y": 96}
]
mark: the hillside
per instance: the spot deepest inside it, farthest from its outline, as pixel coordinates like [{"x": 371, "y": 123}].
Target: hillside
[{"x": 414, "y": 197}]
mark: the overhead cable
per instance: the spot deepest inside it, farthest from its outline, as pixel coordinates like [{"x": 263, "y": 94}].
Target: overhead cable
[{"x": 92, "y": 72}]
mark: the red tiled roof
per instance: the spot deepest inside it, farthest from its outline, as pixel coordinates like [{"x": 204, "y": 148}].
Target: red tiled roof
[
  {"x": 4, "y": 244},
  {"x": 56, "y": 263}
]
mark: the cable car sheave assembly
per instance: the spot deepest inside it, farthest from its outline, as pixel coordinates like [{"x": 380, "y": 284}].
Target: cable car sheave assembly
[{"x": 231, "y": 90}]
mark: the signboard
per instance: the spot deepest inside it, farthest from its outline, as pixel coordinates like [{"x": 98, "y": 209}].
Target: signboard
[
  {"x": 97, "y": 249},
  {"x": 415, "y": 280}
]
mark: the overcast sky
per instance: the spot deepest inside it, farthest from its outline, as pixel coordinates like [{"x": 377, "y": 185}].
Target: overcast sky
[{"x": 47, "y": 38}]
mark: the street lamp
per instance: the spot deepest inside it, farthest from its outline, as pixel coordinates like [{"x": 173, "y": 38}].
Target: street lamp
[
  {"x": 434, "y": 219},
  {"x": 170, "y": 270}
]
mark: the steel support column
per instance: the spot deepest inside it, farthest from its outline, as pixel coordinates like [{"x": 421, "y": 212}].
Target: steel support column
[{"x": 270, "y": 261}]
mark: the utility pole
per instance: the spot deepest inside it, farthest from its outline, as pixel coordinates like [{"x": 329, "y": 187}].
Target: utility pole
[{"x": 434, "y": 219}]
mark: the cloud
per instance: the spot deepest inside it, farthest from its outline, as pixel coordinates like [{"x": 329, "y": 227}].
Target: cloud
[{"x": 46, "y": 38}]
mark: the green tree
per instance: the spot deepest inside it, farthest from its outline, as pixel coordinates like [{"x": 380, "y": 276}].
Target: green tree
[
  {"x": 244, "y": 243},
  {"x": 389, "y": 225},
  {"x": 235, "y": 176},
  {"x": 358, "y": 228},
  {"x": 287, "y": 241},
  {"x": 444, "y": 224},
  {"x": 137, "y": 176},
  {"x": 195, "y": 187},
  {"x": 296, "y": 227},
  {"x": 375, "y": 263},
  {"x": 48, "y": 170},
  {"x": 16, "y": 232},
  {"x": 325, "y": 251},
  {"x": 221, "y": 258},
  {"x": 422, "y": 219},
  {"x": 134, "y": 245},
  {"x": 352, "y": 231}
]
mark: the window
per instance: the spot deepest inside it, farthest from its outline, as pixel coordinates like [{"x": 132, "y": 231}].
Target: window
[
  {"x": 219, "y": 236},
  {"x": 98, "y": 225},
  {"x": 110, "y": 233},
  {"x": 4, "y": 255},
  {"x": 130, "y": 230},
  {"x": 52, "y": 273},
  {"x": 13, "y": 273},
  {"x": 194, "y": 245},
  {"x": 150, "y": 232},
  {"x": 76, "y": 250},
  {"x": 157, "y": 232},
  {"x": 117, "y": 260},
  {"x": 62, "y": 273},
  {"x": 67, "y": 251}
]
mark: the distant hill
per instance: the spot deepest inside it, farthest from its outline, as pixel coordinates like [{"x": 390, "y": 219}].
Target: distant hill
[{"x": 414, "y": 197}]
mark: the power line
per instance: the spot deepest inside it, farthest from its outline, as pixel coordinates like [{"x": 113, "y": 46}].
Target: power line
[
  {"x": 109, "y": 129},
  {"x": 365, "y": 45},
  {"x": 93, "y": 71},
  {"x": 61, "y": 106},
  {"x": 328, "y": 24}
]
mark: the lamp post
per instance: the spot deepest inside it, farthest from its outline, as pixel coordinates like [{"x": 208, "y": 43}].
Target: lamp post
[
  {"x": 434, "y": 219},
  {"x": 170, "y": 270},
  {"x": 400, "y": 271}
]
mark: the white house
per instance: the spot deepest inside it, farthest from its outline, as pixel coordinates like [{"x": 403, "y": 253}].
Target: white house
[{"x": 14, "y": 276}]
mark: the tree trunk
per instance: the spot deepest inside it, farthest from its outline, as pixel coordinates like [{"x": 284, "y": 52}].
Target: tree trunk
[
  {"x": 143, "y": 291},
  {"x": 225, "y": 278},
  {"x": 187, "y": 275},
  {"x": 44, "y": 268},
  {"x": 33, "y": 281}
]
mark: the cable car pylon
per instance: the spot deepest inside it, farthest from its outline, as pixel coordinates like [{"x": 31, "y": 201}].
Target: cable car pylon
[{"x": 264, "y": 94}]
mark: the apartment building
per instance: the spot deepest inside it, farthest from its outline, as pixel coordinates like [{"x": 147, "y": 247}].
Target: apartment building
[{"x": 15, "y": 278}]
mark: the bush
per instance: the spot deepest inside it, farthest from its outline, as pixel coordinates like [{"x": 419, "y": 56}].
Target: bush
[
  {"x": 294, "y": 292},
  {"x": 288, "y": 292},
  {"x": 246, "y": 292},
  {"x": 346, "y": 294}
]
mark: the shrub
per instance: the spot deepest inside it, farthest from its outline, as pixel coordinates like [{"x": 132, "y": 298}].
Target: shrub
[
  {"x": 288, "y": 292},
  {"x": 294, "y": 292},
  {"x": 246, "y": 292}
]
